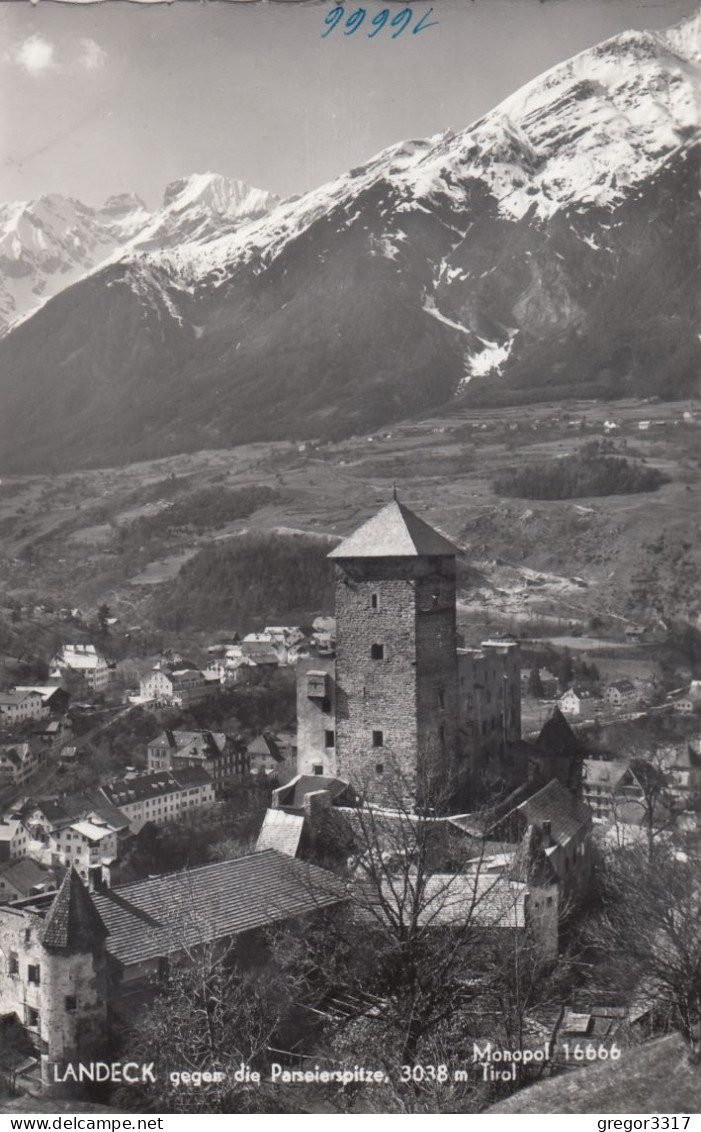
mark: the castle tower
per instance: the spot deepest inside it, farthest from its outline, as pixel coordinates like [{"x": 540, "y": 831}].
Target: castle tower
[
  {"x": 396, "y": 687},
  {"x": 73, "y": 1006}
]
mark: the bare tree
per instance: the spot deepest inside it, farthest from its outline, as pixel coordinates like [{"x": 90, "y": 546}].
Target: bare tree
[{"x": 650, "y": 931}]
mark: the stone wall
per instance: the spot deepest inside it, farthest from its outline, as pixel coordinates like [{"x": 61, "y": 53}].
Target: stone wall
[
  {"x": 316, "y": 716},
  {"x": 388, "y": 707}
]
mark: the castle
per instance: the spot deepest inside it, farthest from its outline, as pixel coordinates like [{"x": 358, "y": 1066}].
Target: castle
[{"x": 401, "y": 693}]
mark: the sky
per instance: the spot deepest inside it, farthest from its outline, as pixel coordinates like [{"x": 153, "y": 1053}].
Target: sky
[{"x": 111, "y": 97}]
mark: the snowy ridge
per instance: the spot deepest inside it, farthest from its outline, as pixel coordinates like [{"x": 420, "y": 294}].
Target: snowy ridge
[
  {"x": 50, "y": 243},
  {"x": 586, "y": 132}
]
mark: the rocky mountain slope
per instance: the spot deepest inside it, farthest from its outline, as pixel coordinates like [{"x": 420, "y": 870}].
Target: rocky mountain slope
[
  {"x": 50, "y": 243},
  {"x": 548, "y": 250}
]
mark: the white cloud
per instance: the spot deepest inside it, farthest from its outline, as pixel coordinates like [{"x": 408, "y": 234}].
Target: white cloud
[
  {"x": 92, "y": 57},
  {"x": 35, "y": 54}
]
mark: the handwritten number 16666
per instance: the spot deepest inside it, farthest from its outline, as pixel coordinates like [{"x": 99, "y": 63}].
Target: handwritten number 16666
[{"x": 400, "y": 21}]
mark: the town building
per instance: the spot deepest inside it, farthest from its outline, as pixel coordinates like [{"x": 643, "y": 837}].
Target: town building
[
  {"x": 222, "y": 756},
  {"x": 20, "y": 706},
  {"x": 268, "y": 757},
  {"x": 84, "y": 660},
  {"x": 612, "y": 791},
  {"x": 570, "y": 703},
  {"x": 180, "y": 686},
  {"x": 400, "y": 696},
  {"x": 14, "y": 840},
  {"x": 89, "y": 846},
  {"x": 25, "y": 878},
  {"x": 621, "y": 693},
  {"x": 19, "y": 761},
  {"x": 162, "y": 797},
  {"x": 56, "y": 699}
]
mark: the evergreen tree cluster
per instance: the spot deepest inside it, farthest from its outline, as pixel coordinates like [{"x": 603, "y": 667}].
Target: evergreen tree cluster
[
  {"x": 588, "y": 472},
  {"x": 249, "y": 581},
  {"x": 210, "y": 507}
]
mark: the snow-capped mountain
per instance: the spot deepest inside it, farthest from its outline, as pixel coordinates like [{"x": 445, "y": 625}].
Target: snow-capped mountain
[
  {"x": 547, "y": 250},
  {"x": 50, "y": 243}
]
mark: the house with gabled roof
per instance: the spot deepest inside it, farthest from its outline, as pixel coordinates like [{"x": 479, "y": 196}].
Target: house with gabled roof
[
  {"x": 620, "y": 693},
  {"x": 222, "y": 756},
  {"x": 19, "y": 706},
  {"x": 612, "y": 791},
  {"x": 162, "y": 797},
  {"x": 26, "y": 878}
]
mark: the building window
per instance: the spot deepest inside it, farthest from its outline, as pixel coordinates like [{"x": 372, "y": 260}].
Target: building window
[
  {"x": 375, "y": 601},
  {"x": 32, "y": 1018},
  {"x": 71, "y": 1002},
  {"x": 377, "y": 652},
  {"x": 378, "y": 739},
  {"x": 13, "y": 964},
  {"x": 441, "y": 731},
  {"x": 379, "y": 768},
  {"x": 33, "y": 973},
  {"x": 326, "y": 705},
  {"x": 329, "y": 739},
  {"x": 317, "y": 769}
]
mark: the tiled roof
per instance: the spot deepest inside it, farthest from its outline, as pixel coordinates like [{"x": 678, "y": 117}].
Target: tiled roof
[
  {"x": 265, "y": 746},
  {"x": 484, "y": 899},
  {"x": 213, "y": 742},
  {"x": 124, "y": 791},
  {"x": 69, "y": 808},
  {"x": 72, "y": 922},
  {"x": 155, "y": 917},
  {"x": 11, "y": 699},
  {"x": 26, "y": 874},
  {"x": 280, "y": 831},
  {"x": 556, "y": 804},
  {"x": 395, "y": 532},
  {"x": 604, "y": 772}
]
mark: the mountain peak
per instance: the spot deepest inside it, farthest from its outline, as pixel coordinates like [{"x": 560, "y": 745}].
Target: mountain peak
[
  {"x": 119, "y": 204},
  {"x": 685, "y": 38}
]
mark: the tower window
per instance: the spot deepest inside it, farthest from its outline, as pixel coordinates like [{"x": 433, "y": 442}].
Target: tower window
[
  {"x": 33, "y": 975},
  {"x": 329, "y": 739},
  {"x": 318, "y": 768},
  {"x": 377, "y": 652},
  {"x": 379, "y": 768},
  {"x": 71, "y": 1002},
  {"x": 442, "y": 733},
  {"x": 375, "y": 601},
  {"x": 378, "y": 738},
  {"x": 326, "y": 705},
  {"x": 441, "y": 698}
]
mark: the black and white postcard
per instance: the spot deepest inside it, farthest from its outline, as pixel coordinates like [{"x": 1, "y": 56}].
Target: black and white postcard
[{"x": 350, "y": 626}]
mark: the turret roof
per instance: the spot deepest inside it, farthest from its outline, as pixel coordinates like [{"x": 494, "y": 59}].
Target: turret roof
[
  {"x": 394, "y": 532},
  {"x": 72, "y": 922}
]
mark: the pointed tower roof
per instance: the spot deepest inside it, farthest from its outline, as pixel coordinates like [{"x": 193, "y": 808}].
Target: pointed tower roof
[
  {"x": 394, "y": 532},
  {"x": 557, "y": 736},
  {"x": 72, "y": 923}
]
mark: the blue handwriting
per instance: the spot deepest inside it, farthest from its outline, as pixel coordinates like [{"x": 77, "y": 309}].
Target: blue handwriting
[{"x": 399, "y": 21}]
